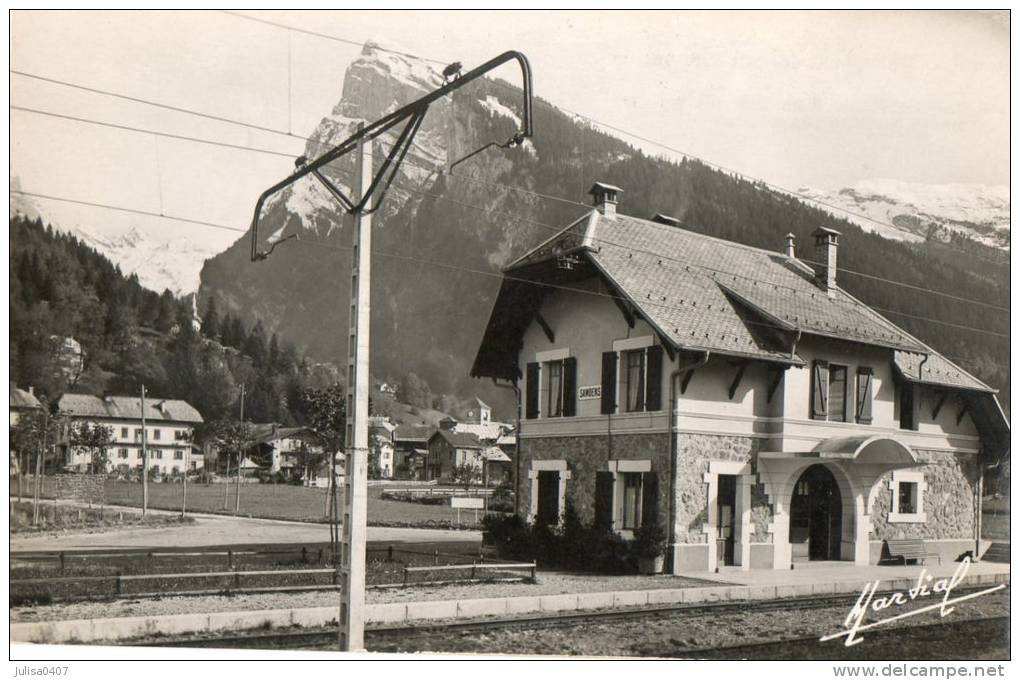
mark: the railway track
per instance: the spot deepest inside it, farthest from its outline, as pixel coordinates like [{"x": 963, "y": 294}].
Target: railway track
[{"x": 324, "y": 638}]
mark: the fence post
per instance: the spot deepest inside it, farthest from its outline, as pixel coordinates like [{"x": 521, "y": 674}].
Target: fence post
[
  {"x": 435, "y": 558},
  {"x": 152, "y": 561},
  {"x": 61, "y": 561},
  {"x": 533, "y": 564},
  {"x": 230, "y": 558},
  {"x": 473, "y": 571},
  {"x": 120, "y": 586},
  {"x": 389, "y": 554},
  {"x": 304, "y": 555},
  {"x": 405, "y": 575},
  {"x": 320, "y": 556}
]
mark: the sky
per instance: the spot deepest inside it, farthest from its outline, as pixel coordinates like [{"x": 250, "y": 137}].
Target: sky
[{"x": 817, "y": 99}]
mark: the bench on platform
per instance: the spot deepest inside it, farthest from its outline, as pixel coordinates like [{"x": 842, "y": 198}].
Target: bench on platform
[{"x": 909, "y": 549}]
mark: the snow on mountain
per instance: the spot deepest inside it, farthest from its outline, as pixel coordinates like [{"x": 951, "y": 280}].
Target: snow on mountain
[
  {"x": 917, "y": 212},
  {"x": 163, "y": 258}
]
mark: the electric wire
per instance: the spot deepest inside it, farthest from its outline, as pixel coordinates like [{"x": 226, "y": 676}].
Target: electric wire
[{"x": 555, "y": 229}]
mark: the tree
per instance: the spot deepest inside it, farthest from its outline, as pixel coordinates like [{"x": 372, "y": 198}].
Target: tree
[
  {"x": 232, "y": 439},
  {"x": 211, "y": 321},
  {"x": 415, "y": 391},
  {"x": 35, "y": 433},
  {"x": 92, "y": 439},
  {"x": 466, "y": 474}
]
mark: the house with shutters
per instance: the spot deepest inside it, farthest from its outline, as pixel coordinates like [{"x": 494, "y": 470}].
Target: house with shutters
[
  {"x": 735, "y": 395},
  {"x": 169, "y": 426}
]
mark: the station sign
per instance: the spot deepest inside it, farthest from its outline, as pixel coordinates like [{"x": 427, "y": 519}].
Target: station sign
[{"x": 589, "y": 392}]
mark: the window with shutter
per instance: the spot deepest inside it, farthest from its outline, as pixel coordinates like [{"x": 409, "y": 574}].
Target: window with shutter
[
  {"x": 819, "y": 389},
  {"x": 531, "y": 392},
  {"x": 837, "y": 394},
  {"x": 570, "y": 386},
  {"x": 604, "y": 499},
  {"x": 632, "y": 388},
  {"x": 653, "y": 386},
  {"x": 553, "y": 389},
  {"x": 650, "y": 499},
  {"x": 631, "y": 512},
  {"x": 864, "y": 374},
  {"x": 608, "y": 382}
]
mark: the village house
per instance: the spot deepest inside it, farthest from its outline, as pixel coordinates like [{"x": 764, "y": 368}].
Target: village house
[
  {"x": 449, "y": 449},
  {"x": 169, "y": 425},
  {"x": 739, "y": 397},
  {"x": 284, "y": 451},
  {"x": 410, "y": 449},
  {"x": 22, "y": 402}
]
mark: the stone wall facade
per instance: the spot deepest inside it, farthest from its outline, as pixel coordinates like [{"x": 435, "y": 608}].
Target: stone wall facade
[
  {"x": 948, "y": 500},
  {"x": 587, "y": 455},
  {"x": 85, "y": 488},
  {"x": 696, "y": 451}
]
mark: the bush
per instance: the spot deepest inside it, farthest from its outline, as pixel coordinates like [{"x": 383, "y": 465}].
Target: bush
[
  {"x": 574, "y": 545},
  {"x": 649, "y": 541}
]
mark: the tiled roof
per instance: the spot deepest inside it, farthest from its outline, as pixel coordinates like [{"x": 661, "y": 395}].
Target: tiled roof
[
  {"x": 937, "y": 370},
  {"x": 485, "y": 431},
  {"x": 22, "y": 399},
  {"x": 701, "y": 293},
  {"x": 460, "y": 440},
  {"x": 693, "y": 293},
  {"x": 265, "y": 433},
  {"x": 90, "y": 406},
  {"x": 413, "y": 433}
]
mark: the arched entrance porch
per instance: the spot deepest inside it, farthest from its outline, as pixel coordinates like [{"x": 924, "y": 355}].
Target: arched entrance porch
[{"x": 816, "y": 516}]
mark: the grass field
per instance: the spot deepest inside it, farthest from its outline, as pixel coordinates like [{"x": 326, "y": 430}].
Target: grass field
[
  {"x": 278, "y": 501},
  {"x": 995, "y": 518}
]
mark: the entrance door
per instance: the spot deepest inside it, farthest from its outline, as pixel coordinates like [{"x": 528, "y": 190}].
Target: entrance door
[
  {"x": 726, "y": 506},
  {"x": 816, "y": 516},
  {"x": 548, "y": 498}
]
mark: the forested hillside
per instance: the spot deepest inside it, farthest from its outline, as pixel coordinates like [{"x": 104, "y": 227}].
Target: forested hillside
[{"x": 129, "y": 336}]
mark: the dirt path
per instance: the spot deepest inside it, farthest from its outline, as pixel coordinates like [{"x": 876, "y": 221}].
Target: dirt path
[{"x": 211, "y": 530}]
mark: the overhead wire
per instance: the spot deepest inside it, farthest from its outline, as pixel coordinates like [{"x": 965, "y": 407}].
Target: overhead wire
[{"x": 554, "y": 228}]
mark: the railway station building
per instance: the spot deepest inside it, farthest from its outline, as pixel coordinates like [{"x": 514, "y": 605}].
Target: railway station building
[{"x": 738, "y": 396}]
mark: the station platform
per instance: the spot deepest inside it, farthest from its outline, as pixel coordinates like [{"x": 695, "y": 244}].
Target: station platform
[{"x": 730, "y": 584}]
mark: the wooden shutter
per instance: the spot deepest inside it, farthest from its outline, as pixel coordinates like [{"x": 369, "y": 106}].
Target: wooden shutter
[
  {"x": 649, "y": 498},
  {"x": 653, "y": 385},
  {"x": 604, "y": 499},
  {"x": 570, "y": 386},
  {"x": 531, "y": 399},
  {"x": 864, "y": 394},
  {"x": 608, "y": 382},
  {"x": 820, "y": 390}
]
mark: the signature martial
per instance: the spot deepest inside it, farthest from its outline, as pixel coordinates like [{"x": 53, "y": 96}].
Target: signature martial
[{"x": 926, "y": 586}]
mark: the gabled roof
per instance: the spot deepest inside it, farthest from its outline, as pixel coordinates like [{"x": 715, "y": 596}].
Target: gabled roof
[
  {"x": 937, "y": 370},
  {"x": 699, "y": 292},
  {"x": 485, "y": 431},
  {"x": 459, "y": 440},
  {"x": 268, "y": 433},
  {"x": 156, "y": 409},
  {"x": 20, "y": 399},
  {"x": 412, "y": 433}
]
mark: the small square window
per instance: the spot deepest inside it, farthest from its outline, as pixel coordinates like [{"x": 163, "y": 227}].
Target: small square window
[{"x": 123, "y": 433}]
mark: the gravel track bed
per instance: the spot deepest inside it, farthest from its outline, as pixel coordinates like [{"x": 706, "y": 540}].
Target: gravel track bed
[
  {"x": 549, "y": 583},
  {"x": 676, "y": 634}
]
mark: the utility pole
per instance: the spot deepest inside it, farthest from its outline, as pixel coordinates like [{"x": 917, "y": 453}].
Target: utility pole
[
  {"x": 354, "y": 532},
  {"x": 145, "y": 460},
  {"x": 240, "y": 457}
]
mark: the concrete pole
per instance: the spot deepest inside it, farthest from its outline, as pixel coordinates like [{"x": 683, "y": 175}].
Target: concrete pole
[
  {"x": 240, "y": 459},
  {"x": 145, "y": 460},
  {"x": 354, "y": 532}
]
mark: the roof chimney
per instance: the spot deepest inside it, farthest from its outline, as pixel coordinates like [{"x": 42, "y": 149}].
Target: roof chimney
[
  {"x": 826, "y": 242},
  {"x": 789, "y": 245},
  {"x": 605, "y": 196},
  {"x": 666, "y": 219}
]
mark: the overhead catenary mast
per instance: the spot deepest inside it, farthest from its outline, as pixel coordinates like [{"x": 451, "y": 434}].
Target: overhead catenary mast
[{"x": 362, "y": 205}]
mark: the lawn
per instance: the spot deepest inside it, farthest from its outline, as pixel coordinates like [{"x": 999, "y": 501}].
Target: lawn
[
  {"x": 277, "y": 501},
  {"x": 995, "y": 518}
]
